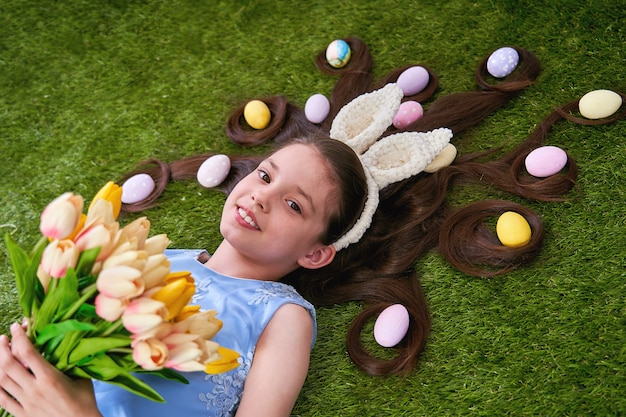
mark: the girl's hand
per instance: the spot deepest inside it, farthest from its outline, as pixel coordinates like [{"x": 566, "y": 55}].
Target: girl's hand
[{"x": 31, "y": 387}]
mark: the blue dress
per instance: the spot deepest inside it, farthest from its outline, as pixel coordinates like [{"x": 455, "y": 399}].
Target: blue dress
[{"x": 245, "y": 307}]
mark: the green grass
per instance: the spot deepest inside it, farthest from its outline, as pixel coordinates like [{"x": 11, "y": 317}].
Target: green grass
[{"x": 89, "y": 88}]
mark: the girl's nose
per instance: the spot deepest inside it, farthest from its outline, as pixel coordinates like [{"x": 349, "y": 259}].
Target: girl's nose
[{"x": 259, "y": 199}]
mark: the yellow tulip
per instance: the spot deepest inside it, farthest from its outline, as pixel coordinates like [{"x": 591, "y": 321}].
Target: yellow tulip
[
  {"x": 177, "y": 292},
  {"x": 186, "y": 312},
  {"x": 229, "y": 360},
  {"x": 112, "y": 193}
]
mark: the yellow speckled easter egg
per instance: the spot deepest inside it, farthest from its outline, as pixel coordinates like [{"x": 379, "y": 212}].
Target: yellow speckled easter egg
[
  {"x": 257, "y": 114},
  {"x": 513, "y": 230}
]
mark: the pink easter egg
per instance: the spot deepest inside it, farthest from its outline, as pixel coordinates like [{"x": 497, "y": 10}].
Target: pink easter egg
[
  {"x": 391, "y": 325},
  {"x": 213, "y": 171},
  {"x": 137, "y": 188},
  {"x": 545, "y": 161},
  {"x": 408, "y": 112},
  {"x": 316, "y": 108},
  {"x": 413, "y": 80}
]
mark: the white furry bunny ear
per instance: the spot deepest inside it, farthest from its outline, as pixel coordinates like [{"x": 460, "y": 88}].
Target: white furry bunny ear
[
  {"x": 400, "y": 156},
  {"x": 394, "y": 158},
  {"x": 362, "y": 121}
]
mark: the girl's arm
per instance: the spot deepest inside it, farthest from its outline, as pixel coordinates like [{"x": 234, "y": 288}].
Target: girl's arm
[
  {"x": 31, "y": 387},
  {"x": 280, "y": 364}
]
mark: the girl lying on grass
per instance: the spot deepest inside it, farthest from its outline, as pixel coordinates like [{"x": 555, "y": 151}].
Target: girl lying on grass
[{"x": 329, "y": 221}]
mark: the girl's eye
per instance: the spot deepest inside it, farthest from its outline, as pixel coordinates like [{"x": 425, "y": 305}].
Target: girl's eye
[
  {"x": 264, "y": 176},
  {"x": 294, "y": 206}
]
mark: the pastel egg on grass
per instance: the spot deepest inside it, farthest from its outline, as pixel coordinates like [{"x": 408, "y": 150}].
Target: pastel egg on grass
[
  {"x": 502, "y": 62},
  {"x": 213, "y": 171},
  {"x": 545, "y": 161},
  {"x": 513, "y": 230},
  {"x": 391, "y": 325},
  {"x": 137, "y": 188},
  {"x": 413, "y": 80},
  {"x": 408, "y": 112},
  {"x": 599, "y": 104},
  {"x": 338, "y": 53},
  {"x": 257, "y": 114},
  {"x": 316, "y": 108}
]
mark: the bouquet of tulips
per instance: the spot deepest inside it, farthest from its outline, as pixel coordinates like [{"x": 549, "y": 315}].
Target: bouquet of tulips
[{"x": 101, "y": 302}]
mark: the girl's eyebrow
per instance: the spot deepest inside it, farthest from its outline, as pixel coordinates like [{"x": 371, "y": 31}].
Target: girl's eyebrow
[{"x": 298, "y": 188}]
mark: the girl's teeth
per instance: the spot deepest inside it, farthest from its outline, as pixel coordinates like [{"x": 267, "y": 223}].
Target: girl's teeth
[{"x": 247, "y": 218}]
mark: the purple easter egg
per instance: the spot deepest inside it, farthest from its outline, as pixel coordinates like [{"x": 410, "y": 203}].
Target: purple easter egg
[
  {"x": 413, "y": 80},
  {"x": 545, "y": 161},
  {"x": 316, "y": 108},
  {"x": 213, "y": 171},
  {"x": 391, "y": 325},
  {"x": 137, "y": 188},
  {"x": 502, "y": 62},
  {"x": 408, "y": 112}
]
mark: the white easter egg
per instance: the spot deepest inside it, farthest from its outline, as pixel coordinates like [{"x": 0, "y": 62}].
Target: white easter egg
[
  {"x": 502, "y": 62},
  {"x": 408, "y": 112},
  {"x": 445, "y": 158},
  {"x": 413, "y": 80},
  {"x": 316, "y": 108},
  {"x": 391, "y": 325},
  {"x": 213, "y": 171},
  {"x": 599, "y": 104},
  {"x": 137, "y": 188},
  {"x": 545, "y": 161}
]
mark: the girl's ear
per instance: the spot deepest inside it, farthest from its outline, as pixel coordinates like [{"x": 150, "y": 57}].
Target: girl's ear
[{"x": 318, "y": 257}]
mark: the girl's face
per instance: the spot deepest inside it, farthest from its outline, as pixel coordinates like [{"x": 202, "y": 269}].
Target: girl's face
[{"x": 278, "y": 213}]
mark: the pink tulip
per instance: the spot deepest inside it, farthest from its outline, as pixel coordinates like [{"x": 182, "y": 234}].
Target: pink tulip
[
  {"x": 156, "y": 270},
  {"x": 203, "y": 324},
  {"x": 150, "y": 354},
  {"x": 120, "y": 282},
  {"x": 99, "y": 235},
  {"x": 56, "y": 259},
  {"x": 158, "y": 332},
  {"x": 109, "y": 308},
  {"x": 61, "y": 216},
  {"x": 143, "y": 314},
  {"x": 137, "y": 231},
  {"x": 189, "y": 352}
]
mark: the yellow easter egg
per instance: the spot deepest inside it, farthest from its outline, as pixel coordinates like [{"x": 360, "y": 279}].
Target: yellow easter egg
[
  {"x": 257, "y": 114},
  {"x": 513, "y": 230}
]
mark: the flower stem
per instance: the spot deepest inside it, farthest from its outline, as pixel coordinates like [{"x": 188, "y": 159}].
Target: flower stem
[{"x": 88, "y": 292}]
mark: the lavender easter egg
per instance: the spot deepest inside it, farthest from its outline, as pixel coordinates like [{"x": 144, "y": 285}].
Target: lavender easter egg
[
  {"x": 545, "y": 161},
  {"x": 408, "y": 112},
  {"x": 413, "y": 80},
  {"x": 391, "y": 325},
  {"x": 513, "y": 230},
  {"x": 599, "y": 104},
  {"x": 316, "y": 108},
  {"x": 213, "y": 171},
  {"x": 502, "y": 62},
  {"x": 338, "y": 53},
  {"x": 137, "y": 188}
]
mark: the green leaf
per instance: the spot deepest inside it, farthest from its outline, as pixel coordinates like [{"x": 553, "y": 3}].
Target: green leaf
[
  {"x": 91, "y": 346},
  {"x": 59, "y": 357},
  {"x": 25, "y": 270},
  {"x": 53, "y": 330},
  {"x": 168, "y": 374},
  {"x": 86, "y": 261},
  {"x": 62, "y": 293}
]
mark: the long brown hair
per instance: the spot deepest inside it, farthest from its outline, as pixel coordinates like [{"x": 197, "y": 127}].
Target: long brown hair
[{"x": 413, "y": 216}]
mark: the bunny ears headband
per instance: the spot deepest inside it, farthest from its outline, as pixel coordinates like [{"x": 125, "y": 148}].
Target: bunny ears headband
[{"x": 393, "y": 158}]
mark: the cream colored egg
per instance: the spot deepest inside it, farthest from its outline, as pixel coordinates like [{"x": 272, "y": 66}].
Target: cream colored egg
[
  {"x": 513, "y": 230},
  {"x": 445, "y": 158},
  {"x": 599, "y": 104}
]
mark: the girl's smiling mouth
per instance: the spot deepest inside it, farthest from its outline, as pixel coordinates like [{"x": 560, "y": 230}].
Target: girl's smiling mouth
[{"x": 246, "y": 218}]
